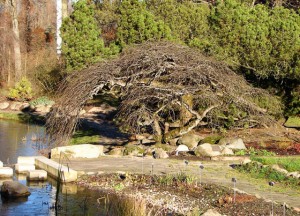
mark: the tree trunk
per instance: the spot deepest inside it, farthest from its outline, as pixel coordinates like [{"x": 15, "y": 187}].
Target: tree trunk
[
  {"x": 16, "y": 39},
  {"x": 58, "y": 25},
  {"x": 185, "y": 115},
  {"x": 190, "y": 126}
]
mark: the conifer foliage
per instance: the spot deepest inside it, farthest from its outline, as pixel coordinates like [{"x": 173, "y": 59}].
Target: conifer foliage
[
  {"x": 82, "y": 44},
  {"x": 137, "y": 24}
]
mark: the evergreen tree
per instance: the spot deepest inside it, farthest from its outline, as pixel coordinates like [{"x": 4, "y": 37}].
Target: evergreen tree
[
  {"x": 137, "y": 24},
  {"x": 187, "y": 20},
  {"x": 258, "y": 39},
  {"x": 82, "y": 44}
]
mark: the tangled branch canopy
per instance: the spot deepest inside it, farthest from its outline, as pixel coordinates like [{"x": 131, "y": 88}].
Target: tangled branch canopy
[{"x": 162, "y": 83}]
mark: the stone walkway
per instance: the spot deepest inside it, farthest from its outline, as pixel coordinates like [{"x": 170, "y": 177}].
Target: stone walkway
[{"x": 218, "y": 172}]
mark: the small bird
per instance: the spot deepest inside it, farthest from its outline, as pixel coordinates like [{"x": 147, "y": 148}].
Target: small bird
[
  {"x": 122, "y": 176},
  {"x": 271, "y": 183}
]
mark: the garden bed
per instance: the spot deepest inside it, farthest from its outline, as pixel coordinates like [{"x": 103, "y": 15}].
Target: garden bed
[{"x": 180, "y": 195}]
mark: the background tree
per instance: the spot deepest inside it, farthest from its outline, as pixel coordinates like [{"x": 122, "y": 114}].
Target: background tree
[
  {"x": 137, "y": 24},
  {"x": 16, "y": 38},
  {"x": 186, "y": 19},
  {"x": 82, "y": 45}
]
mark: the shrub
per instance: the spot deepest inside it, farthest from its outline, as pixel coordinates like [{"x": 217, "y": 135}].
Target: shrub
[
  {"x": 22, "y": 90},
  {"x": 41, "y": 101}
]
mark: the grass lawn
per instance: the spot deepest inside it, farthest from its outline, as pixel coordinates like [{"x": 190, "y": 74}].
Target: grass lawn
[
  {"x": 291, "y": 163},
  {"x": 85, "y": 137}
]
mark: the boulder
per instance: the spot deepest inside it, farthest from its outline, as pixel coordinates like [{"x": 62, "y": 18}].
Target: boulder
[
  {"x": 293, "y": 174},
  {"x": 147, "y": 141},
  {"x": 245, "y": 161},
  {"x": 232, "y": 143},
  {"x": 78, "y": 151},
  {"x": 14, "y": 189},
  {"x": 25, "y": 106},
  {"x": 191, "y": 140},
  {"x": 211, "y": 212},
  {"x": 160, "y": 153},
  {"x": 6, "y": 172},
  {"x": 16, "y": 106},
  {"x": 133, "y": 150},
  {"x": 24, "y": 168},
  {"x": 227, "y": 151},
  {"x": 37, "y": 175},
  {"x": 4, "y": 105},
  {"x": 181, "y": 148},
  {"x": 279, "y": 169},
  {"x": 209, "y": 150},
  {"x": 117, "y": 152},
  {"x": 173, "y": 142},
  {"x": 211, "y": 139},
  {"x": 4, "y": 180},
  {"x": 42, "y": 108}
]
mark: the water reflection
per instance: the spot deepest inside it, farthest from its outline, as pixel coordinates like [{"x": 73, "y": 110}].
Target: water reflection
[{"x": 18, "y": 139}]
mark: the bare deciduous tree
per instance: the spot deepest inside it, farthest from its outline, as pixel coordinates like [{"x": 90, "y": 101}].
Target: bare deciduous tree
[{"x": 157, "y": 83}]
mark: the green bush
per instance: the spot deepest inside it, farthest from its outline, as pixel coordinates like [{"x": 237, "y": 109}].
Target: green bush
[
  {"x": 42, "y": 101},
  {"x": 22, "y": 90}
]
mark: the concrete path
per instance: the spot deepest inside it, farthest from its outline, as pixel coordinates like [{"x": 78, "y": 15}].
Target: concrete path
[{"x": 218, "y": 172}]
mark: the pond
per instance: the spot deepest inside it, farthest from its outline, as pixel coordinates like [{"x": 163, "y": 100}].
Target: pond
[{"x": 17, "y": 139}]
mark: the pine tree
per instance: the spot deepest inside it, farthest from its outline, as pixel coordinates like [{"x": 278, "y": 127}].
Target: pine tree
[
  {"x": 137, "y": 24},
  {"x": 82, "y": 44}
]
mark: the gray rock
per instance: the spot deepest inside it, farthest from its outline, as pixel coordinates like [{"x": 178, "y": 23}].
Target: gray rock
[
  {"x": 227, "y": 151},
  {"x": 211, "y": 212},
  {"x": 42, "y": 108},
  {"x": 207, "y": 149},
  {"x": 245, "y": 161},
  {"x": 191, "y": 140},
  {"x": 16, "y": 106},
  {"x": 160, "y": 153},
  {"x": 4, "y": 105},
  {"x": 181, "y": 148},
  {"x": 117, "y": 152},
  {"x": 78, "y": 151},
  {"x": 14, "y": 189},
  {"x": 140, "y": 137},
  {"x": 293, "y": 174},
  {"x": 232, "y": 143},
  {"x": 279, "y": 169},
  {"x": 133, "y": 150},
  {"x": 25, "y": 105},
  {"x": 173, "y": 142},
  {"x": 147, "y": 141}
]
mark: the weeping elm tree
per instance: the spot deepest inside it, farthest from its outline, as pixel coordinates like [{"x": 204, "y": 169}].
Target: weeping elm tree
[{"x": 163, "y": 83}]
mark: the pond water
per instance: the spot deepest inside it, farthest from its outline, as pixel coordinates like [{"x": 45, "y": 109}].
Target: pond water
[{"x": 18, "y": 139}]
